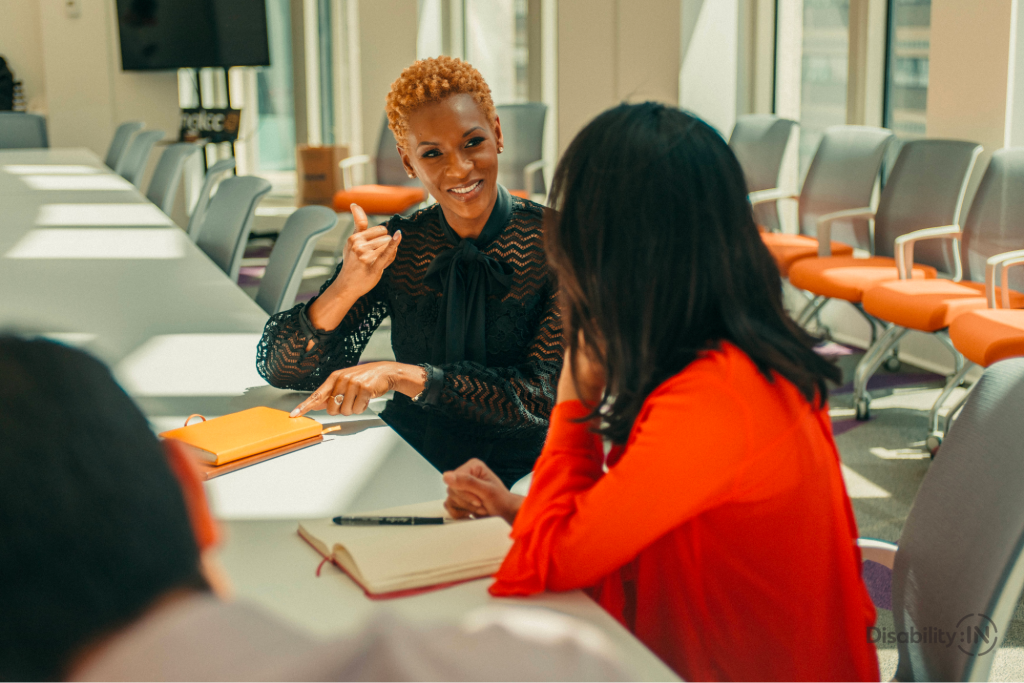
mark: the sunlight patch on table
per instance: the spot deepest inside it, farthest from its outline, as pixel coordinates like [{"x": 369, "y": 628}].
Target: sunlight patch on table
[
  {"x": 40, "y": 169},
  {"x": 95, "y": 181},
  {"x": 191, "y": 365},
  {"x": 860, "y": 487},
  {"x": 100, "y": 243},
  {"x": 101, "y": 214},
  {"x": 912, "y": 453}
]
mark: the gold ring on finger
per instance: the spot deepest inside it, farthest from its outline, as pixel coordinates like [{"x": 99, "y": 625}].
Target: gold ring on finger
[{"x": 338, "y": 399}]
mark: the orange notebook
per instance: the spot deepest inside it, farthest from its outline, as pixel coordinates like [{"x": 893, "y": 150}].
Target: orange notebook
[{"x": 239, "y": 435}]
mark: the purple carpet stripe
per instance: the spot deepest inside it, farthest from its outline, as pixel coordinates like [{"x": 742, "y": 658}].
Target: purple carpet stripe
[
  {"x": 832, "y": 349},
  {"x": 258, "y": 252},
  {"x": 845, "y": 426}
]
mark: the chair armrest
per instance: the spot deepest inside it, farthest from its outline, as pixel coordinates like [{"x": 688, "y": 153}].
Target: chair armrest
[
  {"x": 772, "y": 195},
  {"x": 904, "y": 248},
  {"x": 825, "y": 226},
  {"x": 348, "y": 163},
  {"x": 878, "y": 558},
  {"x": 530, "y": 170},
  {"x": 996, "y": 267}
]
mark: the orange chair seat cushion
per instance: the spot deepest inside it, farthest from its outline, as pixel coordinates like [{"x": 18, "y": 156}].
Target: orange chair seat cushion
[
  {"x": 990, "y": 335},
  {"x": 928, "y": 305},
  {"x": 522, "y": 194},
  {"x": 788, "y": 249},
  {"x": 846, "y": 277},
  {"x": 379, "y": 200}
]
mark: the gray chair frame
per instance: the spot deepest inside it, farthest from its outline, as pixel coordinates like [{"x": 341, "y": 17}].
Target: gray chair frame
[
  {"x": 759, "y": 142},
  {"x": 924, "y": 197},
  {"x": 119, "y": 143},
  {"x": 132, "y": 165},
  {"x": 959, "y": 561},
  {"x": 214, "y": 175},
  {"x": 388, "y": 166},
  {"x": 521, "y": 166},
  {"x": 20, "y": 130},
  {"x": 288, "y": 260},
  {"x": 163, "y": 186},
  {"x": 228, "y": 221}
]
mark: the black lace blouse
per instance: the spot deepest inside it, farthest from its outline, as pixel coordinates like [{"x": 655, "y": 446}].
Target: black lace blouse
[{"x": 497, "y": 410}]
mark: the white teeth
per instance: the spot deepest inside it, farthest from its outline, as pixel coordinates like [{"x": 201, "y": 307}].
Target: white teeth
[{"x": 465, "y": 190}]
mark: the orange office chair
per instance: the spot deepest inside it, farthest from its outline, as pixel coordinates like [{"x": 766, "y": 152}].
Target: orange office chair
[
  {"x": 395, "y": 192},
  {"x": 842, "y": 176},
  {"x": 925, "y": 189},
  {"x": 759, "y": 142},
  {"x": 995, "y": 222}
]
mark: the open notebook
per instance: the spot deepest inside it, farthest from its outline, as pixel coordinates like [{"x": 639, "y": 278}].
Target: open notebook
[{"x": 390, "y": 561}]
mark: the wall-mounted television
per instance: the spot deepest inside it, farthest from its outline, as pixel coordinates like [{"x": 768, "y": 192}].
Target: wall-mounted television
[{"x": 174, "y": 34}]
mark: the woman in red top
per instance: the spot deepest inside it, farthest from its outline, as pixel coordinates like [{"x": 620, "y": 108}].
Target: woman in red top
[{"x": 717, "y": 528}]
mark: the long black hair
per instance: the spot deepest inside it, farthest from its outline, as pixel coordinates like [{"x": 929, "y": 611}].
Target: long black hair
[{"x": 658, "y": 258}]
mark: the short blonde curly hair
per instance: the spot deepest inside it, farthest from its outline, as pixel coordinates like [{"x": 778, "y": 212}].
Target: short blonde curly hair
[{"x": 432, "y": 80}]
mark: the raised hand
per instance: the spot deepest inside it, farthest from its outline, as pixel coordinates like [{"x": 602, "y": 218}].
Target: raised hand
[
  {"x": 473, "y": 490},
  {"x": 368, "y": 251}
]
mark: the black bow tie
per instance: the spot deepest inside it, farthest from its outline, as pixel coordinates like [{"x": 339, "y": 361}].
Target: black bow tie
[{"x": 465, "y": 276}]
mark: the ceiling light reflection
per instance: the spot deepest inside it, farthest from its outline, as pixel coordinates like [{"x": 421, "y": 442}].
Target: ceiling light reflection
[
  {"x": 39, "y": 169},
  {"x": 95, "y": 181},
  {"x": 192, "y": 365},
  {"x": 100, "y": 243},
  {"x": 101, "y": 214}
]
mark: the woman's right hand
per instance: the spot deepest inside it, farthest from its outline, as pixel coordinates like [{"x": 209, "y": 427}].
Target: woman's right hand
[
  {"x": 473, "y": 490},
  {"x": 368, "y": 251}
]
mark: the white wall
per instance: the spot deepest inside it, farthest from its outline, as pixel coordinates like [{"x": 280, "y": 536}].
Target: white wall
[
  {"x": 709, "y": 74},
  {"x": 20, "y": 40}
]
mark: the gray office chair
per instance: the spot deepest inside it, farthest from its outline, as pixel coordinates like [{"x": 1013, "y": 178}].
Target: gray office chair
[
  {"x": 521, "y": 166},
  {"x": 290, "y": 256},
  {"x": 163, "y": 187},
  {"x": 958, "y": 564},
  {"x": 759, "y": 142},
  {"x": 119, "y": 143},
  {"x": 994, "y": 225},
  {"x": 228, "y": 221},
  {"x": 214, "y": 175},
  {"x": 387, "y": 163},
  {"x": 19, "y": 130},
  {"x": 132, "y": 164},
  {"x": 925, "y": 189}
]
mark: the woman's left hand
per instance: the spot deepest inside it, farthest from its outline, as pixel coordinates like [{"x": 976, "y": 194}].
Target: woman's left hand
[{"x": 348, "y": 391}]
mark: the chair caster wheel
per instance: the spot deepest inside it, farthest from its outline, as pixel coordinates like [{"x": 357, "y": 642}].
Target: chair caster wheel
[
  {"x": 933, "y": 443},
  {"x": 863, "y": 409},
  {"x": 892, "y": 364}
]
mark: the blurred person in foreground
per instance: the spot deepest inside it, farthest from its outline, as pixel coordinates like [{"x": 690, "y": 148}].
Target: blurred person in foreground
[
  {"x": 718, "y": 527},
  {"x": 474, "y": 323},
  {"x": 107, "y": 569}
]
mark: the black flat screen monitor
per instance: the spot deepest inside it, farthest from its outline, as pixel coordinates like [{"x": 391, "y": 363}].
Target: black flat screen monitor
[{"x": 174, "y": 34}]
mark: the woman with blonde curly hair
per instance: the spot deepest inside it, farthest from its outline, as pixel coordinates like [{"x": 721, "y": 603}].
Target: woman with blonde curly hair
[{"x": 475, "y": 325}]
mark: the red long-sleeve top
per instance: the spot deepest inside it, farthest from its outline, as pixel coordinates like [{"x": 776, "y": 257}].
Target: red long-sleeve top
[{"x": 720, "y": 534}]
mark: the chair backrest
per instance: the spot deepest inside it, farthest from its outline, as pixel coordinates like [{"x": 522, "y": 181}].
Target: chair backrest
[
  {"x": 995, "y": 222},
  {"x": 133, "y": 162},
  {"x": 290, "y": 256},
  {"x": 522, "y": 127},
  {"x": 958, "y": 565},
  {"x": 214, "y": 175},
  {"x": 119, "y": 143},
  {"x": 19, "y": 130},
  {"x": 390, "y": 170},
  {"x": 759, "y": 141},
  {"x": 842, "y": 176},
  {"x": 163, "y": 187},
  {"x": 925, "y": 190},
  {"x": 228, "y": 221}
]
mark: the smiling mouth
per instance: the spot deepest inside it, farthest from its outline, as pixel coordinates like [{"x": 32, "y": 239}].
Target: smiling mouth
[{"x": 466, "y": 189}]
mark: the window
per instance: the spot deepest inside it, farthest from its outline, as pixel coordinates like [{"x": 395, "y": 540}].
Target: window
[
  {"x": 906, "y": 93},
  {"x": 824, "y": 67},
  {"x": 275, "y": 132}
]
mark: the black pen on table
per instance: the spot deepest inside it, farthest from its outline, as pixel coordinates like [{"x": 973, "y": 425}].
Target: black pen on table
[{"x": 376, "y": 520}]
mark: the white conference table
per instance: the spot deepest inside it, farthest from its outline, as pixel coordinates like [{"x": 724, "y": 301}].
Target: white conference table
[{"x": 87, "y": 260}]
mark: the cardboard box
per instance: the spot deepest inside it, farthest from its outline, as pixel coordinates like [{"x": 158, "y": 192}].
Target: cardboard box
[{"x": 318, "y": 174}]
